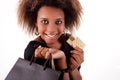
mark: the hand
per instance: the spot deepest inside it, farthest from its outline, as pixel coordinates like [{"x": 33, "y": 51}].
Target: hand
[
  {"x": 77, "y": 58},
  {"x": 58, "y": 55},
  {"x": 40, "y": 52},
  {"x": 43, "y": 52}
]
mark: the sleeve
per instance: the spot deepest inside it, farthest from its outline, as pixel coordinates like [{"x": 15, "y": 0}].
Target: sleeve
[
  {"x": 29, "y": 50},
  {"x": 73, "y": 59}
]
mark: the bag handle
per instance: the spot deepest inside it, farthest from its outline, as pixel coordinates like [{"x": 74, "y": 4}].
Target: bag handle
[{"x": 48, "y": 62}]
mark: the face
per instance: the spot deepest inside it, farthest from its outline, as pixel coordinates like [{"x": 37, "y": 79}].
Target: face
[{"x": 50, "y": 23}]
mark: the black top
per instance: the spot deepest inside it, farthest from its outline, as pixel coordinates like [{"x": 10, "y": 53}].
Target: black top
[{"x": 29, "y": 51}]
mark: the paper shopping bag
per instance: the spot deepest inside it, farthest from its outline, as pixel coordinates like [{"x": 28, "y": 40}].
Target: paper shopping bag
[{"x": 22, "y": 70}]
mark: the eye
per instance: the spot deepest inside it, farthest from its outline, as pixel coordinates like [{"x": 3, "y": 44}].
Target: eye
[
  {"x": 58, "y": 22},
  {"x": 44, "y": 21}
]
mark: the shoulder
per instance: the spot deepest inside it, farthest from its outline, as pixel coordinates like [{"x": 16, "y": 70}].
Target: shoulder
[
  {"x": 67, "y": 35},
  {"x": 29, "y": 50},
  {"x": 35, "y": 43},
  {"x": 38, "y": 41}
]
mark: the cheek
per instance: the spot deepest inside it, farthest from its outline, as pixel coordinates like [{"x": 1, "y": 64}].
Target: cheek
[
  {"x": 41, "y": 29},
  {"x": 61, "y": 29}
]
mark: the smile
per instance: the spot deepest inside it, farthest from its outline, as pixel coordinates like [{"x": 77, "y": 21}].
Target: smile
[{"x": 51, "y": 36}]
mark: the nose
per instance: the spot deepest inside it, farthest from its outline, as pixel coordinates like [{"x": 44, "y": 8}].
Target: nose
[{"x": 52, "y": 29}]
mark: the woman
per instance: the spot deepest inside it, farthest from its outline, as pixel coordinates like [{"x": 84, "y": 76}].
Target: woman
[{"x": 50, "y": 20}]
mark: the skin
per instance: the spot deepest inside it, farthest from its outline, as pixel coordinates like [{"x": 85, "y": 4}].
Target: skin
[{"x": 51, "y": 24}]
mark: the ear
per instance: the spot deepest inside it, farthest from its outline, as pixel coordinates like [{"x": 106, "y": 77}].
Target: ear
[{"x": 36, "y": 29}]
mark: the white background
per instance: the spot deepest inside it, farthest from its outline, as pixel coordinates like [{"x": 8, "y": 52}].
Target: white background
[{"x": 99, "y": 30}]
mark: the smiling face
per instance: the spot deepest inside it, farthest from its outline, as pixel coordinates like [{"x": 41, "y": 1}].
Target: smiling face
[{"x": 50, "y": 23}]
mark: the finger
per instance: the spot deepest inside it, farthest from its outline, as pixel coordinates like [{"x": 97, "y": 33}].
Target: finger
[
  {"x": 76, "y": 60},
  {"x": 52, "y": 50},
  {"x": 43, "y": 52},
  {"x": 77, "y": 48},
  {"x": 38, "y": 52},
  {"x": 59, "y": 54},
  {"x": 77, "y": 52},
  {"x": 56, "y": 54},
  {"x": 79, "y": 58},
  {"x": 73, "y": 63},
  {"x": 47, "y": 54}
]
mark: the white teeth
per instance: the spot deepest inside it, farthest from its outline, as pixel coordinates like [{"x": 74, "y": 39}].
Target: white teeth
[{"x": 51, "y": 35}]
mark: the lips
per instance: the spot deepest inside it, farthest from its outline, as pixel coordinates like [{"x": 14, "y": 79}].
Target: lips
[{"x": 51, "y": 36}]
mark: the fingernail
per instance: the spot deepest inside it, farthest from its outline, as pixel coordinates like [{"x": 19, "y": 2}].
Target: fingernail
[
  {"x": 70, "y": 51},
  {"x": 39, "y": 46},
  {"x": 49, "y": 49},
  {"x": 74, "y": 46}
]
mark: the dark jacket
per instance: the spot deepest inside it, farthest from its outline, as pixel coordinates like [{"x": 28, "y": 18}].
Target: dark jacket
[{"x": 29, "y": 51}]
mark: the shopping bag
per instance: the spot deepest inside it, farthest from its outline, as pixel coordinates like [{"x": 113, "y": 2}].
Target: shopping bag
[{"x": 24, "y": 70}]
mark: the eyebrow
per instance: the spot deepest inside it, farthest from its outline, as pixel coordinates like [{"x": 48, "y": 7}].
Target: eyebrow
[
  {"x": 43, "y": 18},
  {"x": 59, "y": 18},
  {"x": 56, "y": 19}
]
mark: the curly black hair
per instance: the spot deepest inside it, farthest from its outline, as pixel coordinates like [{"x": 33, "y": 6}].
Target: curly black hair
[{"x": 28, "y": 9}]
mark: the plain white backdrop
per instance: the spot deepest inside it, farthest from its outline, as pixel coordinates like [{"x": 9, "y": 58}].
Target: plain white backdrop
[{"x": 99, "y": 30}]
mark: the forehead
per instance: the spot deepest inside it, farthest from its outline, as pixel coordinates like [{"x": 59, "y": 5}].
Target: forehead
[{"x": 47, "y": 11}]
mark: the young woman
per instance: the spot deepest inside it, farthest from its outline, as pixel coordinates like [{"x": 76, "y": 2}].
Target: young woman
[{"x": 50, "y": 20}]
